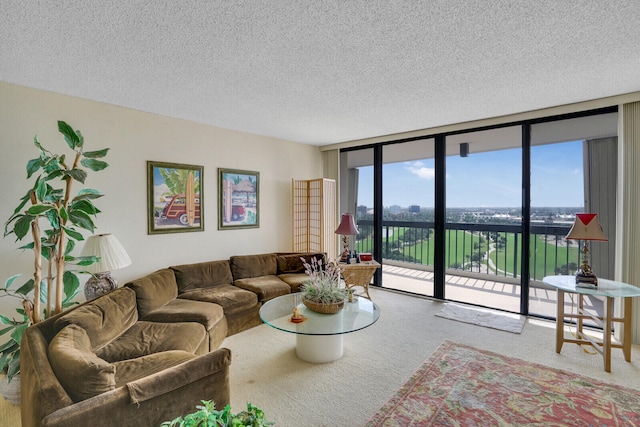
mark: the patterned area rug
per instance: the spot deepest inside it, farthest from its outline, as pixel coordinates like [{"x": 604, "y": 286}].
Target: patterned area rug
[
  {"x": 483, "y": 317},
  {"x": 464, "y": 386}
]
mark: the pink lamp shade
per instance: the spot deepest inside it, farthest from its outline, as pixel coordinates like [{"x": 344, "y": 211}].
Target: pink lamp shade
[{"x": 347, "y": 226}]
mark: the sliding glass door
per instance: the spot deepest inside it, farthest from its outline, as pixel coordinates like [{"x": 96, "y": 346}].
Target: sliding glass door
[
  {"x": 484, "y": 218},
  {"x": 480, "y": 216},
  {"x": 573, "y": 170},
  {"x": 408, "y": 184}
]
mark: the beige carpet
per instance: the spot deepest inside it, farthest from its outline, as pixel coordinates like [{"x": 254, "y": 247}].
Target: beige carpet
[
  {"x": 377, "y": 361},
  {"x": 483, "y": 317}
]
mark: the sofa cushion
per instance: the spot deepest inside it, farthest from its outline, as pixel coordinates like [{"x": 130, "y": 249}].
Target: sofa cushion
[
  {"x": 154, "y": 290},
  {"x": 245, "y": 266},
  {"x": 181, "y": 310},
  {"x": 231, "y": 298},
  {"x": 140, "y": 367},
  {"x": 294, "y": 280},
  {"x": 103, "y": 318},
  {"x": 202, "y": 275},
  {"x": 265, "y": 287},
  {"x": 146, "y": 338},
  {"x": 292, "y": 263},
  {"x": 79, "y": 370}
]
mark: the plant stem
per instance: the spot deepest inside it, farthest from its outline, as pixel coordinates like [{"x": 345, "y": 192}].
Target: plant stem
[{"x": 37, "y": 274}]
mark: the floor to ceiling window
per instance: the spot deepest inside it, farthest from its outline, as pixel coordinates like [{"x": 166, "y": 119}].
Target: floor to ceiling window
[
  {"x": 484, "y": 217},
  {"x": 573, "y": 170},
  {"x": 408, "y": 184},
  {"x": 480, "y": 216}
]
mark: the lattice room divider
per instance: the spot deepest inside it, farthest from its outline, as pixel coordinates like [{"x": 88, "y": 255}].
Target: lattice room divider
[{"x": 315, "y": 216}]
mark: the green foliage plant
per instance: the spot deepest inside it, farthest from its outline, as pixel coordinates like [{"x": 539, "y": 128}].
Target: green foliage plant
[
  {"x": 208, "y": 416},
  {"x": 52, "y": 218},
  {"x": 323, "y": 285}
]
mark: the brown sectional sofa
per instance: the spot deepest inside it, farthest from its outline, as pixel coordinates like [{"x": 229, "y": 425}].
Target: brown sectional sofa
[{"x": 149, "y": 351}]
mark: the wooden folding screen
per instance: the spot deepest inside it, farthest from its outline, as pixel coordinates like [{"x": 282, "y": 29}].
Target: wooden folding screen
[{"x": 314, "y": 216}]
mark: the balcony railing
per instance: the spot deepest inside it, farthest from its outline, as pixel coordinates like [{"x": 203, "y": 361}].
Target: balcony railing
[{"x": 492, "y": 249}]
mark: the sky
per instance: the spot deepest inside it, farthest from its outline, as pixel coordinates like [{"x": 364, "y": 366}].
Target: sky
[{"x": 491, "y": 179}]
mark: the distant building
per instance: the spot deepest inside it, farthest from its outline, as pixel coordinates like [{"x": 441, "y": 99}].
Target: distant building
[
  {"x": 414, "y": 209},
  {"x": 395, "y": 209},
  {"x": 362, "y": 210}
]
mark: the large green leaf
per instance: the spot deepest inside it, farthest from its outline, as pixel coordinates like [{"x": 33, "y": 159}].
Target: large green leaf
[
  {"x": 22, "y": 226},
  {"x": 71, "y": 284},
  {"x": 33, "y": 166},
  {"x": 81, "y": 219},
  {"x": 52, "y": 166},
  {"x": 7, "y": 321},
  {"x": 77, "y": 174},
  {"x": 40, "y": 188},
  {"x": 85, "y": 206},
  {"x": 10, "y": 280},
  {"x": 94, "y": 165},
  {"x": 86, "y": 260},
  {"x": 23, "y": 201},
  {"x": 17, "y": 333},
  {"x": 39, "y": 209},
  {"x": 53, "y": 195},
  {"x": 87, "y": 194},
  {"x": 63, "y": 213},
  {"x": 73, "y": 233},
  {"x": 26, "y": 288},
  {"x": 96, "y": 154},
  {"x": 70, "y": 136},
  {"x": 54, "y": 219}
]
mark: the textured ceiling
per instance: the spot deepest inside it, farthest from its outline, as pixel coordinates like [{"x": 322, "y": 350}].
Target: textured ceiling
[{"x": 321, "y": 72}]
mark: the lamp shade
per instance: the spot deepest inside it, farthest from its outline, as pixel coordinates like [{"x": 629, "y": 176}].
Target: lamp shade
[
  {"x": 586, "y": 227},
  {"x": 347, "y": 226},
  {"x": 111, "y": 253}
]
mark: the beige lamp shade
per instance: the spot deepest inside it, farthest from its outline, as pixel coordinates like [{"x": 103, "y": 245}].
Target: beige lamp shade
[
  {"x": 111, "y": 253},
  {"x": 586, "y": 227}
]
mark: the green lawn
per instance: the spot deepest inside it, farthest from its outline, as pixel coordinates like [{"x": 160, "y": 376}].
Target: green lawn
[{"x": 462, "y": 248}]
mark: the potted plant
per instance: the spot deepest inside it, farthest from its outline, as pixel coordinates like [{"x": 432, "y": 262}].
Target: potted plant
[
  {"x": 52, "y": 218},
  {"x": 323, "y": 292},
  {"x": 208, "y": 416}
]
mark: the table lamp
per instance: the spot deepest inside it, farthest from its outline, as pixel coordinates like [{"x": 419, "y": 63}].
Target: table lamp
[
  {"x": 586, "y": 227},
  {"x": 112, "y": 256},
  {"x": 346, "y": 228}
]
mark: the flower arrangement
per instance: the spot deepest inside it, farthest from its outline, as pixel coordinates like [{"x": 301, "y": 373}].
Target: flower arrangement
[{"x": 324, "y": 284}]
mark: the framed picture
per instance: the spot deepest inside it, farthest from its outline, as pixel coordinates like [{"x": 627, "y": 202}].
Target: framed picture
[
  {"x": 238, "y": 199},
  {"x": 174, "y": 198}
]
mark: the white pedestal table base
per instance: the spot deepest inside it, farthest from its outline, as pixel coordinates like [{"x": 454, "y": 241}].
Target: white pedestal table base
[{"x": 319, "y": 348}]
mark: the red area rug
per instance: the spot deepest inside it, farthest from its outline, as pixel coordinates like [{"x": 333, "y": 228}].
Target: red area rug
[{"x": 464, "y": 386}]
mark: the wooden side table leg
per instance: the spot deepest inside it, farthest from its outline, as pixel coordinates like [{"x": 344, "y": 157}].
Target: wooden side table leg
[
  {"x": 626, "y": 329},
  {"x": 606, "y": 341},
  {"x": 559, "y": 320}
]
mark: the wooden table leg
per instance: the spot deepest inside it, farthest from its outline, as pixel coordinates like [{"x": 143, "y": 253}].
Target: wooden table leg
[
  {"x": 559, "y": 321},
  {"x": 626, "y": 329},
  {"x": 606, "y": 338}
]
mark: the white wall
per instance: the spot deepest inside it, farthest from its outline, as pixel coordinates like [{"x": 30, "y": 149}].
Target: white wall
[{"x": 135, "y": 137}]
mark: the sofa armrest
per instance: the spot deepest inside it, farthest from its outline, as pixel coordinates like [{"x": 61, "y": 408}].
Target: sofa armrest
[{"x": 159, "y": 397}]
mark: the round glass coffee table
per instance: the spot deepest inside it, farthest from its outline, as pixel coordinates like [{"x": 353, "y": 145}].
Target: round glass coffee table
[{"x": 319, "y": 338}]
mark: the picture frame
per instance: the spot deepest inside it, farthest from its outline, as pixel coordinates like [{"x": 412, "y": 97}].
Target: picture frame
[
  {"x": 175, "y": 196},
  {"x": 238, "y": 199}
]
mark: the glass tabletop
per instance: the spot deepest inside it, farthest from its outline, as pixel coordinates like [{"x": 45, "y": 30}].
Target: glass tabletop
[
  {"x": 355, "y": 315},
  {"x": 605, "y": 288}
]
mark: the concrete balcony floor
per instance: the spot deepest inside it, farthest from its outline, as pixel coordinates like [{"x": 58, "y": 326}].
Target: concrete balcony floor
[{"x": 487, "y": 292}]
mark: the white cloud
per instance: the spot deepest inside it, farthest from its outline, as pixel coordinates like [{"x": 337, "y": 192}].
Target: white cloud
[{"x": 418, "y": 169}]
